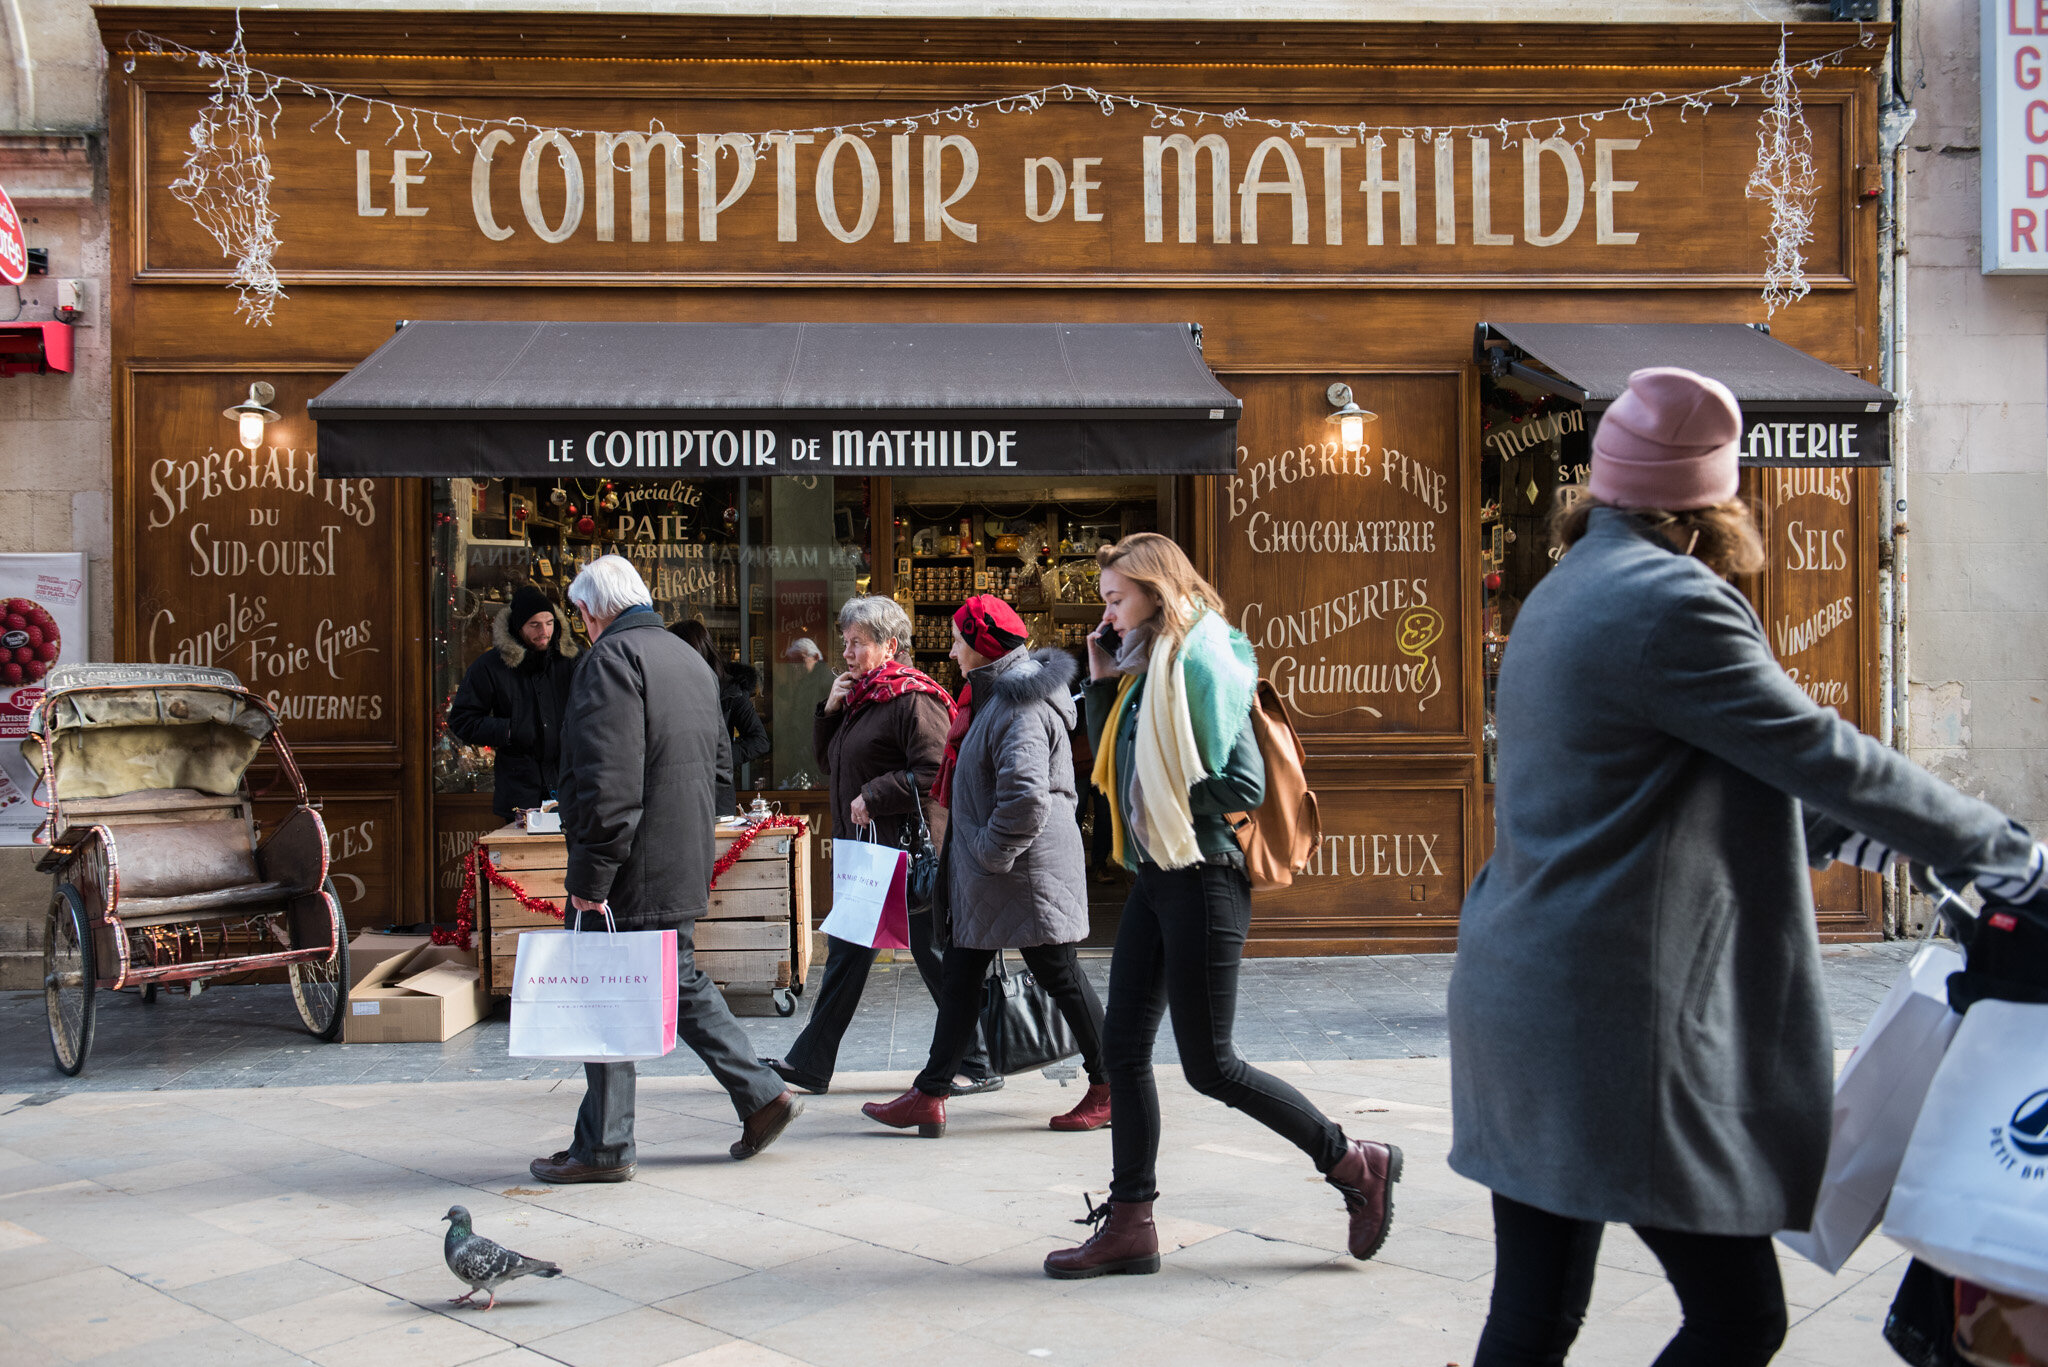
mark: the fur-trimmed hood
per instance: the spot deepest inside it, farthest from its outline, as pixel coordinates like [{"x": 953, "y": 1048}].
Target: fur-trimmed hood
[
  {"x": 514, "y": 651},
  {"x": 1026, "y": 676}
]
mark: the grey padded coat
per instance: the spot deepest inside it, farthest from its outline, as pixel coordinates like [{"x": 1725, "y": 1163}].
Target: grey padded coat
[
  {"x": 644, "y": 748},
  {"x": 1638, "y": 1031},
  {"x": 1016, "y": 875}
]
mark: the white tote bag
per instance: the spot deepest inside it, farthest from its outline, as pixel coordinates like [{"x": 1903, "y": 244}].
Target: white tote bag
[
  {"x": 869, "y": 903},
  {"x": 1972, "y": 1194},
  {"x": 594, "y": 996},
  {"x": 1877, "y": 1099}
]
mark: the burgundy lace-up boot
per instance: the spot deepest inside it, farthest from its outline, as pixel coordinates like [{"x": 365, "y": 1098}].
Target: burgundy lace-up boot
[
  {"x": 1124, "y": 1241},
  {"x": 1366, "y": 1175}
]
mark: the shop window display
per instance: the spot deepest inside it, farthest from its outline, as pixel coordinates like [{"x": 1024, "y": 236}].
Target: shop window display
[
  {"x": 1534, "y": 451},
  {"x": 762, "y": 564},
  {"x": 1032, "y": 545}
]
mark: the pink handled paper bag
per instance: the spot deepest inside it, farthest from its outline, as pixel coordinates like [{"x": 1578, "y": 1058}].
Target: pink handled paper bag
[
  {"x": 594, "y": 996},
  {"x": 869, "y": 903}
]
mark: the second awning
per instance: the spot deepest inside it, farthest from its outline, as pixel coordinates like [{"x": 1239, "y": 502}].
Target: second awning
[
  {"x": 1796, "y": 409},
  {"x": 545, "y": 400}
]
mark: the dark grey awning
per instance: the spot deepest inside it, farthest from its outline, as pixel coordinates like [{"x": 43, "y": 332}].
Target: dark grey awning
[
  {"x": 628, "y": 399},
  {"x": 1797, "y": 410}
]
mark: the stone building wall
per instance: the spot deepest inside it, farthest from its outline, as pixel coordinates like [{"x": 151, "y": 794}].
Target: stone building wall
[{"x": 55, "y": 430}]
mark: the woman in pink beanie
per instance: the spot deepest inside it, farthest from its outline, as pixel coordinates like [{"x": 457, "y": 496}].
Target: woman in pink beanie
[{"x": 1638, "y": 1030}]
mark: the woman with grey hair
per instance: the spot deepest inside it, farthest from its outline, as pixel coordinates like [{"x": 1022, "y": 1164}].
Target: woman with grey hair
[{"x": 880, "y": 735}]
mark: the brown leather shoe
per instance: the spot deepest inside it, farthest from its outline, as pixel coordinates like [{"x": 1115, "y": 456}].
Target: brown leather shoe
[
  {"x": 1366, "y": 1175},
  {"x": 562, "y": 1168},
  {"x": 1124, "y": 1242},
  {"x": 766, "y": 1125}
]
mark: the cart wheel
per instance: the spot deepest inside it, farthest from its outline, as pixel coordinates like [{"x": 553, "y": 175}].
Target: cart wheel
[
  {"x": 149, "y": 994},
  {"x": 785, "y": 1001},
  {"x": 321, "y": 990},
  {"x": 68, "y": 979}
]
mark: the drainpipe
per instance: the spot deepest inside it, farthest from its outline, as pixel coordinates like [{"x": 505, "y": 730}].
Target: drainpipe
[
  {"x": 1894, "y": 674},
  {"x": 24, "y": 65}
]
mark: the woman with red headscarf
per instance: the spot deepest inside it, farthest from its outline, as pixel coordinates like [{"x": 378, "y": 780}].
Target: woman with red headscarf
[
  {"x": 1014, "y": 875},
  {"x": 881, "y": 736}
]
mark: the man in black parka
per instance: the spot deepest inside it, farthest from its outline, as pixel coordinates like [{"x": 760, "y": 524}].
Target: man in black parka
[
  {"x": 513, "y": 697},
  {"x": 644, "y": 747}
]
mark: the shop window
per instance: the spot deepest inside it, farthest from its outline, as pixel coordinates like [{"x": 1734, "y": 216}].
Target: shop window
[
  {"x": 762, "y": 564},
  {"x": 1028, "y": 543},
  {"x": 1534, "y": 451}
]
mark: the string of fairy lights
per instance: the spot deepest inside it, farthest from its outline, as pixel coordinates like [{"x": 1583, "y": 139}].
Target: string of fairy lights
[{"x": 227, "y": 180}]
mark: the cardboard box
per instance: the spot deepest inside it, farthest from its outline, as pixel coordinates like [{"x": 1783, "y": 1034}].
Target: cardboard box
[{"x": 406, "y": 989}]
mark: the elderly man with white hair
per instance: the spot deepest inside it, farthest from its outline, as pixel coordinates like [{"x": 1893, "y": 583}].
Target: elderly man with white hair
[{"x": 644, "y": 747}]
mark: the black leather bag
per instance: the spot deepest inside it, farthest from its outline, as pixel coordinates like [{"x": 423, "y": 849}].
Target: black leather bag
[
  {"x": 1021, "y": 1024},
  {"x": 922, "y": 879}
]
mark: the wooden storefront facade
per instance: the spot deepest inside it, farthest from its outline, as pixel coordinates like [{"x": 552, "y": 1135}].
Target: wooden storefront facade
[{"x": 1307, "y": 258}]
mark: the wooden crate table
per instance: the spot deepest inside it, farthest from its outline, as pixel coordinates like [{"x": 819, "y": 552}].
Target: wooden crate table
[{"x": 754, "y": 938}]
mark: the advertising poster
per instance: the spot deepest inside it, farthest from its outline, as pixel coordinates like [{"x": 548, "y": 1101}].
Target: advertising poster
[{"x": 42, "y": 625}]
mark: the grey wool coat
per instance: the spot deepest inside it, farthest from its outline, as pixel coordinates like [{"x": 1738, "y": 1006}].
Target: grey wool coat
[
  {"x": 1015, "y": 873},
  {"x": 644, "y": 748},
  {"x": 1638, "y": 1032}
]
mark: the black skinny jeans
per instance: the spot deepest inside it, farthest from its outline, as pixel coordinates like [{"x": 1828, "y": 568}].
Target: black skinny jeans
[
  {"x": 1058, "y": 970},
  {"x": 1734, "y": 1303},
  {"x": 1178, "y": 948},
  {"x": 816, "y": 1051}
]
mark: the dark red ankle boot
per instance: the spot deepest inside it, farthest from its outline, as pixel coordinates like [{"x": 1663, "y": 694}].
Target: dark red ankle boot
[
  {"x": 1091, "y": 1114},
  {"x": 1366, "y": 1175},
  {"x": 913, "y": 1108},
  {"x": 1124, "y": 1241}
]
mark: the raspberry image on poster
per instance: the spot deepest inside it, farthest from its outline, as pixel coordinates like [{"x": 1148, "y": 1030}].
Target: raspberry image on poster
[{"x": 29, "y": 642}]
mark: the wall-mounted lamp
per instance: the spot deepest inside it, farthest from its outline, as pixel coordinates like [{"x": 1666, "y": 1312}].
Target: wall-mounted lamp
[
  {"x": 1349, "y": 417},
  {"x": 252, "y": 413}
]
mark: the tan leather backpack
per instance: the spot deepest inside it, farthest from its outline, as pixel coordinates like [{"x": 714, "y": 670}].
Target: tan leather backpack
[{"x": 1280, "y": 837}]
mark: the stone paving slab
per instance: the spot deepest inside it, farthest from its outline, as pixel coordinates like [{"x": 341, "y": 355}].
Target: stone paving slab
[
  {"x": 1318, "y": 1009},
  {"x": 301, "y": 1224}
]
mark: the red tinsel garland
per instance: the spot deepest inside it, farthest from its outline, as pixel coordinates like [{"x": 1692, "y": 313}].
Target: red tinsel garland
[
  {"x": 748, "y": 836},
  {"x": 478, "y": 865}
]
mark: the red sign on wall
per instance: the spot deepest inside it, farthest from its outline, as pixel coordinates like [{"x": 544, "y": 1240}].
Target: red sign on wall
[{"x": 13, "y": 244}]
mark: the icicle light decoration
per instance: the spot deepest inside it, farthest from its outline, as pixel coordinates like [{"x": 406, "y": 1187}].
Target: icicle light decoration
[
  {"x": 1785, "y": 177},
  {"x": 227, "y": 175}
]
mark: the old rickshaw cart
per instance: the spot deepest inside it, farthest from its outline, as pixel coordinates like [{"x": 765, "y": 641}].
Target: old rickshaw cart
[{"x": 160, "y": 874}]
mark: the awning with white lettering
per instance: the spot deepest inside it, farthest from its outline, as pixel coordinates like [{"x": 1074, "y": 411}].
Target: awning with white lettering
[
  {"x": 1797, "y": 410},
  {"x": 542, "y": 400}
]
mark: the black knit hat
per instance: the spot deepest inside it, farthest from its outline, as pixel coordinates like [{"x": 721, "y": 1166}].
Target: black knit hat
[{"x": 528, "y": 603}]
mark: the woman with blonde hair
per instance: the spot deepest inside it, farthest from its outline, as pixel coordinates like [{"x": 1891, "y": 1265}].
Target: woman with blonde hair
[{"x": 1171, "y": 690}]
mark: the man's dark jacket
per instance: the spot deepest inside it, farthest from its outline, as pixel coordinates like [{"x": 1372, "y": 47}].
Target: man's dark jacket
[
  {"x": 512, "y": 699},
  {"x": 644, "y": 749}
]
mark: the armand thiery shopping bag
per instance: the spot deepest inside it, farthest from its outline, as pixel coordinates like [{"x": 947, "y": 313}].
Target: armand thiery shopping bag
[
  {"x": 1972, "y": 1194},
  {"x": 870, "y": 905},
  {"x": 594, "y": 996},
  {"x": 1877, "y": 1098}
]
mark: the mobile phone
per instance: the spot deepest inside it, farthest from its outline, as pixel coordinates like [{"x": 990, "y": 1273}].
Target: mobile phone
[{"x": 1109, "y": 638}]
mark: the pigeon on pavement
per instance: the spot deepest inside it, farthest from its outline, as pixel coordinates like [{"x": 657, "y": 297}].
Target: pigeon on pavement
[{"x": 486, "y": 1266}]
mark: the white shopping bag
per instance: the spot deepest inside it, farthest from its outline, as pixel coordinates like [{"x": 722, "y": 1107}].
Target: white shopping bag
[
  {"x": 1877, "y": 1099},
  {"x": 1972, "y": 1194},
  {"x": 869, "y": 903},
  {"x": 594, "y": 996}
]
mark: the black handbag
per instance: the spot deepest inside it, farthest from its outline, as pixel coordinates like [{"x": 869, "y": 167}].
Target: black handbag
[
  {"x": 922, "y": 879},
  {"x": 1021, "y": 1024},
  {"x": 1921, "y": 1327}
]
